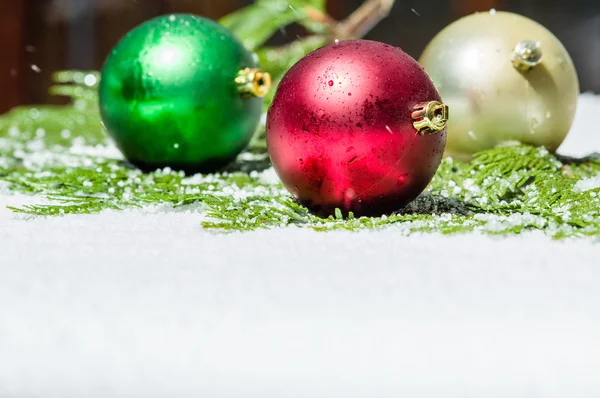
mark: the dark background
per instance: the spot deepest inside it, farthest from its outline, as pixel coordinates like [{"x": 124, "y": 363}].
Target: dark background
[{"x": 38, "y": 37}]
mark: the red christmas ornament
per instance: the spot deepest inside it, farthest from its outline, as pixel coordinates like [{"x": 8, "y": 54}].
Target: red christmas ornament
[{"x": 357, "y": 125}]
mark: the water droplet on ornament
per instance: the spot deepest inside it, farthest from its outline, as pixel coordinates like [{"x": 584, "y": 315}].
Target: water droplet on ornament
[
  {"x": 349, "y": 94},
  {"x": 356, "y": 159},
  {"x": 176, "y": 146},
  {"x": 331, "y": 83},
  {"x": 534, "y": 125},
  {"x": 172, "y": 18},
  {"x": 401, "y": 179},
  {"x": 493, "y": 11},
  {"x": 349, "y": 194}
]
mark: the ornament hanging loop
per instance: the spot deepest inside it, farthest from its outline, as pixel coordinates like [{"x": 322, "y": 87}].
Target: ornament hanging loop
[
  {"x": 527, "y": 55},
  {"x": 430, "y": 117},
  {"x": 252, "y": 82}
]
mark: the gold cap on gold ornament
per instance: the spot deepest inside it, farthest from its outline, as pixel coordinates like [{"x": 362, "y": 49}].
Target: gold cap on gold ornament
[{"x": 527, "y": 55}]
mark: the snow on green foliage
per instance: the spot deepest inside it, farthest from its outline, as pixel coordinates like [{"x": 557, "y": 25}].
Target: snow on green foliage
[{"x": 62, "y": 156}]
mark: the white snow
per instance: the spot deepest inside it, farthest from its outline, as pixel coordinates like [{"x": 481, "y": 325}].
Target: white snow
[
  {"x": 144, "y": 303},
  {"x": 588, "y": 184},
  {"x": 584, "y": 137}
]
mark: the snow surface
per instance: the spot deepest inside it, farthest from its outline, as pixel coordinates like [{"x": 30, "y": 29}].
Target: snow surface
[{"x": 147, "y": 304}]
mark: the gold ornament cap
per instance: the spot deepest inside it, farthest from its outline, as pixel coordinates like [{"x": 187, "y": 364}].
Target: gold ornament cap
[
  {"x": 527, "y": 54},
  {"x": 253, "y": 82},
  {"x": 430, "y": 117}
]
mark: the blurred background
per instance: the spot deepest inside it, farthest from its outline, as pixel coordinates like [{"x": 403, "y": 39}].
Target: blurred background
[{"x": 38, "y": 37}]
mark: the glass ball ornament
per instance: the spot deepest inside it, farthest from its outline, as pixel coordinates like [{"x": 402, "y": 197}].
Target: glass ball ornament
[
  {"x": 507, "y": 80},
  {"x": 181, "y": 91},
  {"x": 358, "y": 126}
]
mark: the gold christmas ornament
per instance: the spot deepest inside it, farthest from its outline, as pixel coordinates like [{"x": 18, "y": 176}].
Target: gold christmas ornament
[{"x": 507, "y": 80}]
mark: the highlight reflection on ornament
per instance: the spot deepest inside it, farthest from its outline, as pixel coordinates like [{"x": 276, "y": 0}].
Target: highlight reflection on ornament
[{"x": 507, "y": 80}]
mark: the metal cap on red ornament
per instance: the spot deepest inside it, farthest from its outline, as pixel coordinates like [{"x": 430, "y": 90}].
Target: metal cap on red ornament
[{"x": 356, "y": 125}]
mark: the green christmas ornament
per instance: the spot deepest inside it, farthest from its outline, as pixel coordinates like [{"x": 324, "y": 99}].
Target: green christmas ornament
[{"x": 181, "y": 91}]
